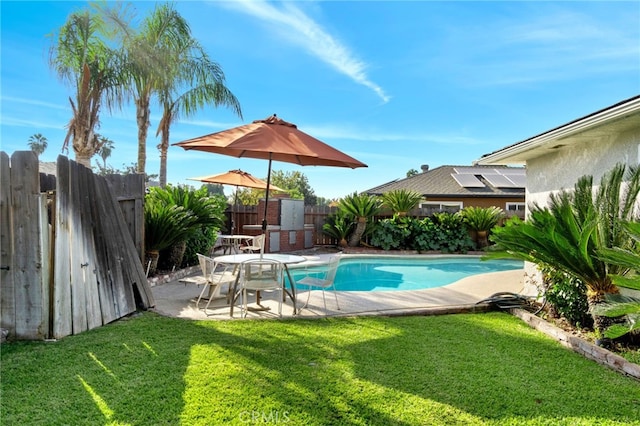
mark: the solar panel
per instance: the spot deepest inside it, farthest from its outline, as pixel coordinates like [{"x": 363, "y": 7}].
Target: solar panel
[
  {"x": 474, "y": 170},
  {"x": 519, "y": 181},
  {"x": 467, "y": 180},
  {"x": 500, "y": 181}
]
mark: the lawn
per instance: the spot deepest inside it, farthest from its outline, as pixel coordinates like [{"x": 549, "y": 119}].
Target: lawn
[{"x": 487, "y": 369}]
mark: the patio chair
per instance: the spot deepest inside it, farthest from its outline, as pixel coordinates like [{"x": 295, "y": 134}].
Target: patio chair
[
  {"x": 255, "y": 246},
  {"x": 214, "y": 276},
  {"x": 325, "y": 282},
  {"x": 260, "y": 275}
]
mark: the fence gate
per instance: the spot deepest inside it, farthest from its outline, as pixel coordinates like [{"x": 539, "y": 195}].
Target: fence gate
[{"x": 68, "y": 260}]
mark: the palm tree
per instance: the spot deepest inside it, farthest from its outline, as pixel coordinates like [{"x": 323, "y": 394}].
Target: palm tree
[
  {"x": 83, "y": 59},
  {"x": 361, "y": 207},
  {"x": 401, "y": 201},
  {"x": 569, "y": 235},
  {"x": 38, "y": 143},
  {"x": 150, "y": 53},
  {"x": 481, "y": 220},
  {"x": 189, "y": 67},
  {"x": 106, "y": 148}
]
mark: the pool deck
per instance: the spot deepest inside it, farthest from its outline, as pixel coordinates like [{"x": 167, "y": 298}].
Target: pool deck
[{"x": 177, "y": 299}]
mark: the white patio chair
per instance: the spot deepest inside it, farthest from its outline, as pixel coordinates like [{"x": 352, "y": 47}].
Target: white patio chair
[
  {"x": 255, "y": 245},
  {"x": 214, "y": 276},
  {"x": 260, "y": 275},
  {"x": 325, "y": 282}
]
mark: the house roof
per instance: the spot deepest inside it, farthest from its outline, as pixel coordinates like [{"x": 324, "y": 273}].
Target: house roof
[
  {"x": 614, "y": 119},
  {"x": 444, "y": 181}
]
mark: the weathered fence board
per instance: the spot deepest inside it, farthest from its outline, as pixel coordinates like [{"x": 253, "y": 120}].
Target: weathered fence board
[
  {"x": 72, "y": 265},
  {"x": 7, "y": 301},
  {"x": 27, "y": 256},
  {"x": 62, "y": 324},
  {"x": 130, "y": 191}
]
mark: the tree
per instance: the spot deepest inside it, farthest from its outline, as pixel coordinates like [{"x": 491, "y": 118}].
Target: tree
[
  {"x": 482, "y": 220},
  {"x": 361, "y": 207},
  {"x": 401, "y": 201},
  {"x": 83, "y": 58},
  {"x": 189, "y": 68},
  {"x": 38, "y": 143},
  {"x": 149, "y": 54},
  {"x": 570, "y": 234},
  {"x": 295, "y": 183},
  {"x": 106, "y": 148}
]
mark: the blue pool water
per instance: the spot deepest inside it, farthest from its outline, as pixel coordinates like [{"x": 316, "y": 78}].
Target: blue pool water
[{"x": 405, "y": 273}]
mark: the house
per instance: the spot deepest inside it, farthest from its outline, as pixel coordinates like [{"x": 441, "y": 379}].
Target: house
[
  {"x": 591, "y": 145},
  {"x": 451, "y": 188},
  {"x": 556, "y": 159}
]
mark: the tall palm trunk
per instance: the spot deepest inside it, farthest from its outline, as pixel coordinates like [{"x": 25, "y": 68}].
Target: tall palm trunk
[
  {"x": 361, "y": 226},
  {"x": 142, "y": 119}
]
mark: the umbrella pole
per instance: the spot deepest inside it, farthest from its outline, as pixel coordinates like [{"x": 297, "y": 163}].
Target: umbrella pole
[{"x": 266, "y": 206}]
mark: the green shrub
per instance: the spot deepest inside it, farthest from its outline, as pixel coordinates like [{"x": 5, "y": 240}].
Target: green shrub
[
  {"x": 452, "y": 235},
  {"x": 568, "y": 297},
  {"x": 391, "y": 234},
  {"x": 446, "y": 233}
]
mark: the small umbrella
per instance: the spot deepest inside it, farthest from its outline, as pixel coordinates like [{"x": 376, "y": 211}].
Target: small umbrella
[
  {"x": 271, "y": 139},
  {"x": 237, "y": 178}
]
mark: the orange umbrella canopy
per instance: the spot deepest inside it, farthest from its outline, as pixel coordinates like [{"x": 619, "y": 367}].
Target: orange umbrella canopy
[
  {"x": 237, "y": 178},
  {"x": 272, "y": 139}
]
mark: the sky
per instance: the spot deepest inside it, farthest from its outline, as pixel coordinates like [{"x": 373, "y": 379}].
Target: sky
[{"x": 394, "y": 84}]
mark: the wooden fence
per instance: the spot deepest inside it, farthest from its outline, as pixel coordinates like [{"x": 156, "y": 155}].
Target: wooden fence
[{"x": 69, "y": 262}]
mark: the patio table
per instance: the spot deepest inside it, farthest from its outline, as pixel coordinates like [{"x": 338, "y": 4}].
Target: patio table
[{"x": 285, "y": 259}]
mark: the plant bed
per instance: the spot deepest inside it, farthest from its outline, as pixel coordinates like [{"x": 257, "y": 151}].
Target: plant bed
[{"x": 579, "y": 341}]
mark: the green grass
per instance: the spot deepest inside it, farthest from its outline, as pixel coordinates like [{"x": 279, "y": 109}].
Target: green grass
[{"x": 487, "y": 369}]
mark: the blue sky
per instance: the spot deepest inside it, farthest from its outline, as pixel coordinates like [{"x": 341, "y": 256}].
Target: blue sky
[{"x": 394, "y": 84}]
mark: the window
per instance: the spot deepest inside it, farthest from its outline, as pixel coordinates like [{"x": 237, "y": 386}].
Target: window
[
  {"x": 447, "y": 206},
  {"x": 515, "y": 207}
]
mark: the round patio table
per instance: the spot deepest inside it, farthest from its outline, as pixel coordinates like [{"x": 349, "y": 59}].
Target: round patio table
[{"x": 285, "y": 259}]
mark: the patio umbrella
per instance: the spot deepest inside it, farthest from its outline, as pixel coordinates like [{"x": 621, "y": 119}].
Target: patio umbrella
[
  {"x": 237, "y": 178},
  {"x": 272, "y": 139}
]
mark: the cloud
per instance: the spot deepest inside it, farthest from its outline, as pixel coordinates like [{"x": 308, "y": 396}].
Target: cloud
[{"x": 305, "y": 32}]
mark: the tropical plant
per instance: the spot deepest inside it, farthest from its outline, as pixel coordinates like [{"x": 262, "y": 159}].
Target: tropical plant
[
  {"x": 619, "y": 305},
  {"x": 392, "y": 234},
  {"x": 201, "y": 210},
  {"x": 83, "y": 58},
  {"x": 566, "y": 297},
  {"x": 338, "y": 225},
  {"x": 481, "y": 220},
  {"x": 190, "y": 82},
  {"x": 570, "y": 234},
  {"x": 452, "y": 235},
  {"x": 362, "y": 207},
  {"x": 401, "y": 201},
  {"x": 38, "y": 143}
]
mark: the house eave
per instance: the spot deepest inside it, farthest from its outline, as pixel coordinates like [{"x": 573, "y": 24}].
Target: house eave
[{"x": 519, "y": 153}]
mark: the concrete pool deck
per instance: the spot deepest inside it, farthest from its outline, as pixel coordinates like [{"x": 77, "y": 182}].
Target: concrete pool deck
[{"x": 177, "y": 299}]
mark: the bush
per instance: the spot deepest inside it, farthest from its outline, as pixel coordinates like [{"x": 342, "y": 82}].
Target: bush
[
  {"x": 446, "y": 233},
  {"x": 567, "y": 297}
]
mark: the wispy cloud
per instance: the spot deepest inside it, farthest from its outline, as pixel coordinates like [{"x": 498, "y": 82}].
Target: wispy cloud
[{"x": 305, "y": 32}]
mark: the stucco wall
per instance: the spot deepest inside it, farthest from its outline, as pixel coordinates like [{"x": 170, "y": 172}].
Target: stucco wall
[
  {"x": 593, "y": 156},
  {"x": 562, "y": 168}
]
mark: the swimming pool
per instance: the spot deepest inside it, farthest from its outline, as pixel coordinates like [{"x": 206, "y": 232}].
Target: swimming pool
[{"x": 397, "y": 273}]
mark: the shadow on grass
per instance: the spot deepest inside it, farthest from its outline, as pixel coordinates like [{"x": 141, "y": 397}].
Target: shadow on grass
[{"x": 460, "y": 369}]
